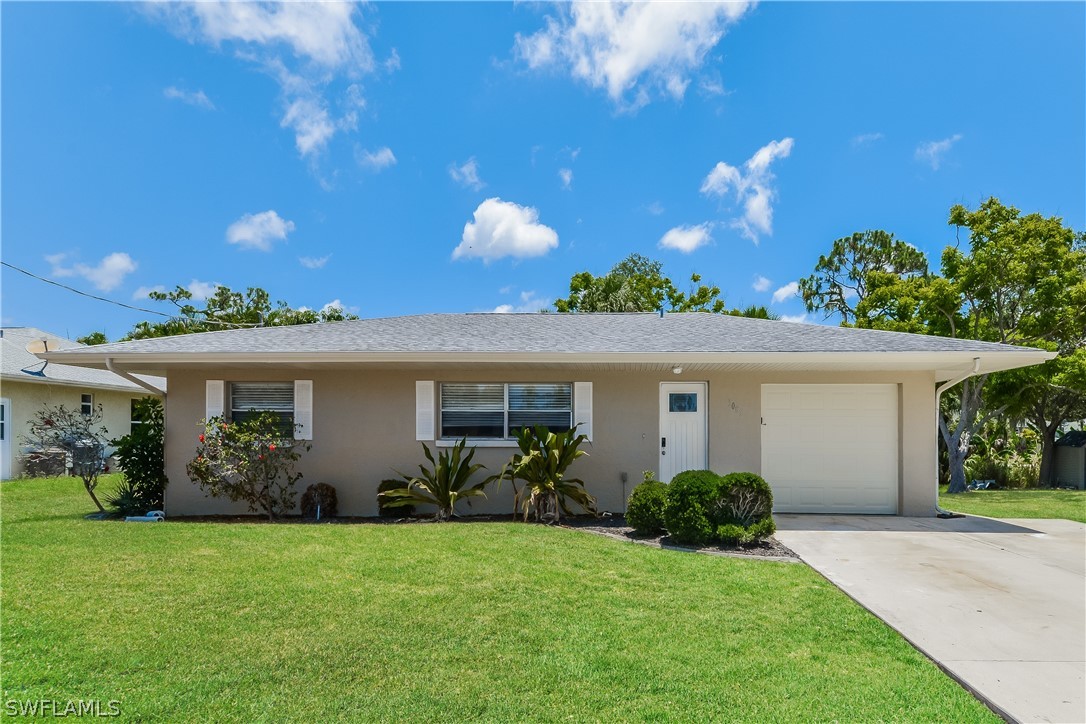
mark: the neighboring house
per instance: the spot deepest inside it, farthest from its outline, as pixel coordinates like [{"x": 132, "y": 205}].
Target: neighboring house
[
  {"x": 837, "y": 420},
  {"x": 1070, "y": 459},
  {"x": 27, "y": 384}
]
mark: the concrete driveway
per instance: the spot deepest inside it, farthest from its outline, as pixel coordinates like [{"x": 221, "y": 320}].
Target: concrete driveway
[{"x": 1000, "y": 604}]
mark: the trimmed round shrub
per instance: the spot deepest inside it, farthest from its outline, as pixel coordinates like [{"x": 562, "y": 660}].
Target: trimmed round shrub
[
  {"x": 645, "y": 509},
  {"x": 689, "y": 512},
  {"x": 320, "y": 495},
  {"x": 744, "y": 510}
]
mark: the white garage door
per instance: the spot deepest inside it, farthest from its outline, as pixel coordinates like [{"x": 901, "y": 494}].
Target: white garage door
[{"x": 831, "y": 448}]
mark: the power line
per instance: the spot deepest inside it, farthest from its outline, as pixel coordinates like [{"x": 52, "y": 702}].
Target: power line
[{"x": 122, "y": 304}]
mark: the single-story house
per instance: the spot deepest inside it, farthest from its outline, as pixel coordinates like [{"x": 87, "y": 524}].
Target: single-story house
[
  {"x": 837, "y": 420},
  {"x": 1070, "y": 459},
  {"x": 27, "y": 384}
]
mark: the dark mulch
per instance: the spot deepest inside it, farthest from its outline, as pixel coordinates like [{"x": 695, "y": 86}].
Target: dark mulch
[{"x": 615, "y": 526}]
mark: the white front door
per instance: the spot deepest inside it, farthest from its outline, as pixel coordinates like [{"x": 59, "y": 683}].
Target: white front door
[
  {"x": 683, "y": 428},
  {"x": 5, "y": 439}
]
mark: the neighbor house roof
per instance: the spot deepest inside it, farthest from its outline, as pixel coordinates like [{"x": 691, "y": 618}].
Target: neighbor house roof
[
  {"x": 1074, "y": 438},
  {"x": 18, "y": 365},
  {"x": 691, "y": 339}
]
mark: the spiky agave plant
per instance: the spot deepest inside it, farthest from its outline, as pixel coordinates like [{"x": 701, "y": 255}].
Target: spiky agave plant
[
  {"x": 542, "y": 463},
  {"x": 442, "y": 485}
]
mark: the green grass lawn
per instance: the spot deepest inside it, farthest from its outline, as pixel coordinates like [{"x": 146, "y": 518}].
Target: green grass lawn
[
  {"x": 1069, "y": 504},
  {"x": 490, "y": 621}
]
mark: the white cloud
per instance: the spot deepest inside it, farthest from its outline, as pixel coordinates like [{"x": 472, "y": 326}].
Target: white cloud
[
  {"x": 761, "y": 284},
  {"x": 529, "y": 304},
  {"x": 932, "y": 152},
  {"x": 467, "y": 174},
  {"x": 503, "y": 228},
  {"x": 687, "y": 238},
  {"x": 788, "y": 291},
  {"x": 629, "y": 49},
  {"x": 193, "y": 98},
  {"x": 304, "y": 46},
  {"x": 144, "y": 292},
  {"x": 753, "y": 187},
  {"x": 337, "y": 304},
  {"x": 794, "y": 318},
  {"x": 259, "y": 231},
  {"x": 377, "y": 160},
  {"x": 106, "y": 275},
  {"x": 865, "y": 139},
  {"x": 202, "y": 291},
  {"x": 566, "y": 174},
  {"x": 314, "y": 262}
]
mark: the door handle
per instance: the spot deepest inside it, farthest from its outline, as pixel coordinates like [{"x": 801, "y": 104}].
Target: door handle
[{"x": 663, "y": 442}]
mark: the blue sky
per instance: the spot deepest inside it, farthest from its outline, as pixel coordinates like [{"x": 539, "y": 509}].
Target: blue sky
[{"x": 406, "y": 158}]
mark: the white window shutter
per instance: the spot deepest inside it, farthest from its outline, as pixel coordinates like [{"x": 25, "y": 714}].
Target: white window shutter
[
  {"x": 424, "y": 410},
  {"x": 215, "y": 399},
  {"x": 582, "y": 408},
  {"x": 303, "y": 409}
]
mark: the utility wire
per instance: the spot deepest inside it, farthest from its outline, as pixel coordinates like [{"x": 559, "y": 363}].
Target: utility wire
[{"x": 121, "y": 304}]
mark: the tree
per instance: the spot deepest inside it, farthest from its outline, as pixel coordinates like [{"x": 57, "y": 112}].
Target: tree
[
  {"x": 82, "y": 438},
  {"x": 637, "y": 284},
  {"x": 248, "y": 461},
  {"x": 1022, "y": 282},
  {"x": 227, "y": 309},
  {"x": 840, "y": 278},
  {"x": 93, "y": 338}
]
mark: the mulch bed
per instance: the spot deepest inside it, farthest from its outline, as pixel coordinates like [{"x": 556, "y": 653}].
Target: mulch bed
[{"x": 615, "y": 527}]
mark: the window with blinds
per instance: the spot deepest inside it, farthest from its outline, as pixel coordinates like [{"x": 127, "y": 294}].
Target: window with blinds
[
  {"x": 249, "y": 399},
  {"x": 499, "y": 410}
]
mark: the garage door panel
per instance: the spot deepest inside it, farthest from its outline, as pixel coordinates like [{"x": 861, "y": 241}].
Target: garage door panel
[{"x": 831, "y": 448}]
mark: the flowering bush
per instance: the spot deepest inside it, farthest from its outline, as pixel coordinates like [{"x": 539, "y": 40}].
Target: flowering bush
[{"x": 248, "y": 461}]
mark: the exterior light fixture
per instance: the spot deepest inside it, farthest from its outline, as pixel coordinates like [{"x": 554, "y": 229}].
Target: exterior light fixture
[{"x": 677, "y": 370}]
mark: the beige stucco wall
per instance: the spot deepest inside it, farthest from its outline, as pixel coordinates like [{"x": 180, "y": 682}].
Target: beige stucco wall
[
  {"x": 28, "y": 397},
  {"x": 364, "y": 427}
]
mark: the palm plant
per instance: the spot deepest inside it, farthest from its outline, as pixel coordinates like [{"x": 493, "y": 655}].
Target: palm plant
[
  {"x": 542, "y": 463},
  {"x": 442, "y": 485}
]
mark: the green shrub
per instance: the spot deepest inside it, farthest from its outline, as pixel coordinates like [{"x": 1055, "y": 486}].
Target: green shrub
[
  {"x": 691, "y": 500},
  {"x": 744, "y": 509},
  {"x": 320, "y": 496},
  {"x": 141, "y": 456},
  {"x": 442, "y": 485},
  {"x": 542, "y": 463},
  {"x": 645, "y": 509},
  {"x": 399, "y": 511}
]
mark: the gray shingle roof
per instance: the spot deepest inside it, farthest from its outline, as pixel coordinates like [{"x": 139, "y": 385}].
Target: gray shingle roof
[
  {"x": 545, "y": 333},
  {"x": 16, "y": 364}
]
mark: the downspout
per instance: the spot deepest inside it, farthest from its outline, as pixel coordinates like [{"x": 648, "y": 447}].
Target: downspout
[
  {"x": 133, "y": 379},
  {"x": 938, "y": 397}
]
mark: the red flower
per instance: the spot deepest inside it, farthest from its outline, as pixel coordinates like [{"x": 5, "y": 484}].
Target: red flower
[
  {"x": 259, "y": 457},
  {"x": 271, "y": 447},
  {"x": 201, "y": 438}
]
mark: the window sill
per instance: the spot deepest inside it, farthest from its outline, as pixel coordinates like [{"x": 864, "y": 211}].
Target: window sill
[{"x": 441, "y": 442}]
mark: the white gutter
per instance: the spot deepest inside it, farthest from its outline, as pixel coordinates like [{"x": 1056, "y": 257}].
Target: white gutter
[
  {"x": 133, "y": 379},
  {"x": 938, "y": 413}
]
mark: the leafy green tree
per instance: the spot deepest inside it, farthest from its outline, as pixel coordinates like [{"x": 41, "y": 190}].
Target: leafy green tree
[
  {"x": 1022, "y": 282},
  {"x": 93, "y": 338},
  {"x": 840, "y": 278},
  {"x": 228, "y": 309},
  {"x": 637, "y": 284}
]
